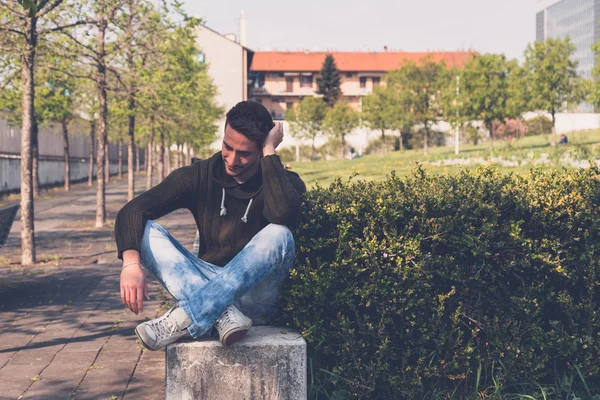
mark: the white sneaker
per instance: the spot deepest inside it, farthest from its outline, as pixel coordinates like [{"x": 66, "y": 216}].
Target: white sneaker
[
  {"x": 162, "y": 331},
  {"x": 232, "y": 325}
]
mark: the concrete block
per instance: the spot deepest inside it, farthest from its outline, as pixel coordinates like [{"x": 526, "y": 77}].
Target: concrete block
[{"x": 268, "y": 363}]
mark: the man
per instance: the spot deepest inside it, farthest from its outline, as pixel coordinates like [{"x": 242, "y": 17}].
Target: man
[{"x": 242, "y": 200}]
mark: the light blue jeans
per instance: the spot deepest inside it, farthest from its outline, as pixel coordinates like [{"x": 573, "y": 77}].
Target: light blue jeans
[{"x": 250, "y": 281}]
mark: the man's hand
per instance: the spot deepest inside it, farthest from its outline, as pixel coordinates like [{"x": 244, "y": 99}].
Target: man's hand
[
  {"x": 134, "y": 288},
  {"x": 273, "y": 139}
]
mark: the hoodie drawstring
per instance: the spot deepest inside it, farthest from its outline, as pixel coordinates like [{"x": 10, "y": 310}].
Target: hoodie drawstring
[
  {"x": 245, "y": 217},
  {"x": 224, "y": 210}
]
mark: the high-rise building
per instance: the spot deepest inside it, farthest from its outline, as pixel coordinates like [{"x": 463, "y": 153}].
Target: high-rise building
[{"x": 578, "y": 19}]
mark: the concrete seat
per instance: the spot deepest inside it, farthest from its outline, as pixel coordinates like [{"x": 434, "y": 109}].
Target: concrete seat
[{"x": 268, "y": 363}]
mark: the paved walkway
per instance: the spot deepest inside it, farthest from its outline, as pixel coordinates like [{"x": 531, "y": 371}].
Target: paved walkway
[{"x": 64, "y": 333}]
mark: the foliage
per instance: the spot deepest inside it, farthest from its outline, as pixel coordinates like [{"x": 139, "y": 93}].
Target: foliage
[
  {"x": 485, "y": 89},
  {"x": 382, "y": 110},
  {"x": 553, "y": 76},
  {"x": 510, "y": 129},
  {"x": 306, "y": 119},
  {"x": 329, "y": 81},
  {"x": 468, "y": 286},
  {"x": 539, "y": 125},
  {"x": 340, "y": 121},
  {"x": 420, "y": 88}
]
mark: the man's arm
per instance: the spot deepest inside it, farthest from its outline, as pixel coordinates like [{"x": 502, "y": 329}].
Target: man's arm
[
  {"x": 175, "y": 192},
  {"x": 282, "y": 190}
]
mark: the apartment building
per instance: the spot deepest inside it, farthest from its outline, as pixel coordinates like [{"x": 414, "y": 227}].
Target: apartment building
[{"x": 278, "y": 80}]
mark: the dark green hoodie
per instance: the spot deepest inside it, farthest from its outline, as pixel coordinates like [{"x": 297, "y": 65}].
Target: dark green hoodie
[{"x": 228, "y": 214}]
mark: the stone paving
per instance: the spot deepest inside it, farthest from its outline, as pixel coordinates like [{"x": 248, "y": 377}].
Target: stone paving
[{"x": 64, "y": 333}]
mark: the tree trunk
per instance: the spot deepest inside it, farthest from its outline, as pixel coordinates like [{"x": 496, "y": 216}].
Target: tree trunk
[
  {"x": 131, "y": 148},
  {"x": 65, "y": 130},
  {"x": 314, "y": 149},
  {"x": 149, "y": 157},
  {"x": 553, "y": 128},
  {"x": 168, "y": 156},
  {"x": 161, "y": 157},
  {"x": 383, "y": 149},
  {"x": 27, "y": 132},
  {"x": 138, "y": 155},
  {"x": 189, "y": 155},
  {"x": 343, "y": 145},
  {"x": 107, "y": 163},
  {"x": 490, "y": 127},
  {"x": 35, "y": 161},
  {"x": 102, "y": 96},
  {"x": 178, "y": 157},
  {"x": 426, "y": 141},
  {"x": 401, "y": 144},
  {"x": 120, "y": 161},
  {"x": 91, "y": 151}
]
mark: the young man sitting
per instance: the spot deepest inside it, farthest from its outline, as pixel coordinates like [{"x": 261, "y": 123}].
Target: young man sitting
[{"x": 243, "y": 201}]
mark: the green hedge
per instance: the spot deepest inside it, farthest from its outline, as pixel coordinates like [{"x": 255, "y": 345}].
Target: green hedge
[{"x": 466, "y": 286}]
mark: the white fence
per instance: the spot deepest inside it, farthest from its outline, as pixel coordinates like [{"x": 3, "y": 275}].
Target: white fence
[{"x": 51, "y": 157}]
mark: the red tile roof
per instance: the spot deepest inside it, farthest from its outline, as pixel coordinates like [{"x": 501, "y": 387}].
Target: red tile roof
[{"x": 265, "y": 61}]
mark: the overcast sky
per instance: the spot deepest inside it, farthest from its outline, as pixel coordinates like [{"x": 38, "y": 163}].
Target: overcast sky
[{"x": 495, "y": 26}]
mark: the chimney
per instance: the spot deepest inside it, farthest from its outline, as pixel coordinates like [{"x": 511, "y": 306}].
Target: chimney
[{"x": 243, "y": 37}]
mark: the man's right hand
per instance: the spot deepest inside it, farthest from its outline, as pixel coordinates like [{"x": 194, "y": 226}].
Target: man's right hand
[{"x": 134, "y": 288}]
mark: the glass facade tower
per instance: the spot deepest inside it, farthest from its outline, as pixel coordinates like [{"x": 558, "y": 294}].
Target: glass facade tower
[{"x": 577, "y": 19}]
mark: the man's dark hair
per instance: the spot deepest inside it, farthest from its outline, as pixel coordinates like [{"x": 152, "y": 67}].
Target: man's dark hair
[{"x": 251, "y": 119}]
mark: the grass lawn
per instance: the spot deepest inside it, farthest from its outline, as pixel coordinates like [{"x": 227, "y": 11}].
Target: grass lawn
[{"x": 583, "y": 145}]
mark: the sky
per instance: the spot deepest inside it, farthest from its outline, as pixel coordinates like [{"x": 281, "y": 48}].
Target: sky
[{"x": 486, "y": 26}]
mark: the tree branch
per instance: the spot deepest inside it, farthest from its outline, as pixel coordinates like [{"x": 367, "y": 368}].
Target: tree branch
[
  {"x": 43, "y": 4},
  {"x": 11, "y": 30},
  {"x": 63, "y": 27},
  {"x": 19, "y": 13}
]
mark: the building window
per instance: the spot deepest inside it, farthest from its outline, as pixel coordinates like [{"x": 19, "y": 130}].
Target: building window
[
  {"x": 349, "y": 75},
  {"x": 363, "y": 82},
  {"x": 288, "y": 105},
  {"x": 306, "y": 81},
  {"x": 277, "y": 75},
  {"x": 376, "y": 81}
]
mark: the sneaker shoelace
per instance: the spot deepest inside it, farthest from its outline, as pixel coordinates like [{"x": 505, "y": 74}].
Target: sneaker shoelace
[
  {"x": 225, "y": 319},
  {"x": 165, "y": 327}
]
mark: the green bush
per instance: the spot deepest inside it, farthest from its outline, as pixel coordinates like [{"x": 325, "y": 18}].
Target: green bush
[
  {"x": 538, "y": 126},
  {"x": 464, "y": 286}
]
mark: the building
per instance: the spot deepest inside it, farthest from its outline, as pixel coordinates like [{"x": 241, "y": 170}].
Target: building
[
  {"x": 278, "y": 80},
  {"x": 578, "y": 19},
  {"x": 228, "y": 63}
]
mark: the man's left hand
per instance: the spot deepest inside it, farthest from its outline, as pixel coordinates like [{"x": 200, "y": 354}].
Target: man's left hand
[{"x": 273, "y": 139}]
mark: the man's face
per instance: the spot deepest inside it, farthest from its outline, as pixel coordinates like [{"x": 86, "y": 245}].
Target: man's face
[{"x": 240, "y": 154}]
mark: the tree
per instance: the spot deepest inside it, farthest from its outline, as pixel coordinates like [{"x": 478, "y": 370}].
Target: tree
[
  {"x": 340, "y": 121},
  {"x": 484, "y": 93},
  {"x": 329, "y": 81},
  {"x": 553, "y": 77},
  {"x": 420, "y": 90},
  {"x": 381, "y": 111},
  {"x": 306, "y": 119},
  {"x": 23, "y": 25}
]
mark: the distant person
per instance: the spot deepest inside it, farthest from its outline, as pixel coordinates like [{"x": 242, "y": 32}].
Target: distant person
[
  {"x": 243, "y": 201},
  {"x": 351, "y": 153},
  {"x": 563, "y": 139}
]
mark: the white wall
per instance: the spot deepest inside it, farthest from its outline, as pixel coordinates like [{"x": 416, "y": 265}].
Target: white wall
[
  {"x": 225, "y": 65},
  {"x": 568, "y": 122}
]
